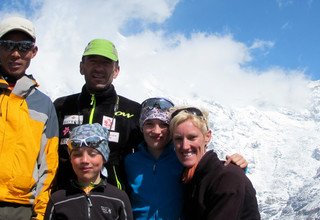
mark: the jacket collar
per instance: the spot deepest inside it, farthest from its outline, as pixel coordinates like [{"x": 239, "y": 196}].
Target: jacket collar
[
  {"x": 168, "y": 149},
  {"x": 208, "y": 162},
  {"x": 3, "y": 83},
  {"x": 76, "y": 188},
  {"x": 108, "y": 96},
  {"x": 23, "y": 86}
]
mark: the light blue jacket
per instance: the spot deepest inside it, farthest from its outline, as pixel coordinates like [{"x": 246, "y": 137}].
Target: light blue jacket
[{"x": 155, "y": 184}]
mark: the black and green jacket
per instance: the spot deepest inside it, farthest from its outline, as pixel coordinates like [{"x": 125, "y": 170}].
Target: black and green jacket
[{"x": 105, "y": 108}]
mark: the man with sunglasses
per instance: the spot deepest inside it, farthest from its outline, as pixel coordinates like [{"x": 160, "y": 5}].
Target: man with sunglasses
[
  {"x": 99, "y": 102},
  {"x": 28, "y": 128}
]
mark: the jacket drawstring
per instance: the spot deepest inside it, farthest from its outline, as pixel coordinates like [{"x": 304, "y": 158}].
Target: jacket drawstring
[{"x": 116, "y": 177}]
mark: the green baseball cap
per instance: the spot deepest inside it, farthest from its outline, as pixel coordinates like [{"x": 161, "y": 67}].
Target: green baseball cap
[{"x": 103, "y": 48}]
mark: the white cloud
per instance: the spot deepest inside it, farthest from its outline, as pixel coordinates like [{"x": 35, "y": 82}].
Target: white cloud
[
  {"x": 156, "y": 63},
  {"x": 286, "y": 26},
  {"x": 261, "y": 44},
  {"x": 284, "y": 3}
]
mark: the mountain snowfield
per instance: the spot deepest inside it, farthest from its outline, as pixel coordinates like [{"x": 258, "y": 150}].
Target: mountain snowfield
[
  {"x": 282, "y": 147},
  {"x": 283, "y": 151}
]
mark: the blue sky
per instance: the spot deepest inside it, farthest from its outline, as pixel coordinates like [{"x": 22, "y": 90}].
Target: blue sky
[
  {"x": 293, "y": 27},
  {"x": 240, "y": 52}
]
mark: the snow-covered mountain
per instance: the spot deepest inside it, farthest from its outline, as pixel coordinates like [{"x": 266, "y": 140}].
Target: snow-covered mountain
[
  {"x": 282, "y": 147},
  {"x": 283, "y": 151}
]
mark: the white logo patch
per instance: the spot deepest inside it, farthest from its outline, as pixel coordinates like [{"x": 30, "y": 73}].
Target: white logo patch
[
  {"x": 63, "y": 140},
  {"x": 114, "y": 136},
  {"x": 106, "y": 210},
  {"x": 73, "y": 119}
]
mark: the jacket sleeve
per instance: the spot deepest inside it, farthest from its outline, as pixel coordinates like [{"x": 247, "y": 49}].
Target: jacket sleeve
[
  {"x": 225, "y": 199},
  {"x": 47, "y": 163}
]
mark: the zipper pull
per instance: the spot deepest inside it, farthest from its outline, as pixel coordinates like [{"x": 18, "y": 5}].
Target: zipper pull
[
  {"x": 154, "y": 168},
  {"x": 92, "y": 99},
  {"x": 93, "y": 104}
]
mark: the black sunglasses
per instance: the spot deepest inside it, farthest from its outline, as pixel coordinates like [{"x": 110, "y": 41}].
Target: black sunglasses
[
  {"x": 160, "y": 103},
  {"x": 190, "y": 110},
  {"x": 22, "y": 46}
]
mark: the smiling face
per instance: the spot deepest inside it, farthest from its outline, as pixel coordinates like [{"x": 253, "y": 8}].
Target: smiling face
[
  {"x": 156, "y": 134},
  {"x": 190, "y": 143},
  {"x": 87, "y": 163},
  {"x": 15, "y": 62},
  {"x": 99, "y": 72}
]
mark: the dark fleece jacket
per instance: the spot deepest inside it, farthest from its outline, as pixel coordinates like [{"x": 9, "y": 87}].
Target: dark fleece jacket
[{"x": 220, "y": 192}]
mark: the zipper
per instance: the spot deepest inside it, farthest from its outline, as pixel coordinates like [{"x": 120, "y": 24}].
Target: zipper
[
  {"x": 93, "y": 104},
  {"x": 89, "y": 207}
]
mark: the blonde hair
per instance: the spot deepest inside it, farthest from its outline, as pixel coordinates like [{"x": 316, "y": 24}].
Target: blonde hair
[{"x": 200, "y": 122}]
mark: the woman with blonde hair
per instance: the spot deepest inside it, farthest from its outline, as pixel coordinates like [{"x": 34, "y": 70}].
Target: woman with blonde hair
[{"x": 213, "y": 190}]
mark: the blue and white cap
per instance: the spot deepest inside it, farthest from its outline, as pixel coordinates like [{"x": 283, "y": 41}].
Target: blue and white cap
[{"x": 88, "y": 130}]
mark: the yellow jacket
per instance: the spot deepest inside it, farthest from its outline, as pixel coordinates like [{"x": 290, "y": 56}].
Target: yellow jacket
[{"x": 28, "y": 144}]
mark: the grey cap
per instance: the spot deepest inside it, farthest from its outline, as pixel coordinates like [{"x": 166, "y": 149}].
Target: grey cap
[{"x": 17, "y": 24}]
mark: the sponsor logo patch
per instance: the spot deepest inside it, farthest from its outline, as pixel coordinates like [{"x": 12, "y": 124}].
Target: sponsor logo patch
[
  {"x": 114, "y": 136},
  {"x": 124, "y": 114},
  {"x": 106, "y": 210},
  {"x": 73, "y": 119},
  {"x": 107, "y": 122}
]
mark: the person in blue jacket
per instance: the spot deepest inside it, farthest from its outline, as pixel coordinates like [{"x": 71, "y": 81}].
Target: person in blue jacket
[{"x": 154, "y": 171}]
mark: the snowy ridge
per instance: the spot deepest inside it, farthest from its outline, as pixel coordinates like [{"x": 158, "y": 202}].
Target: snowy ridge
[{"x": 282, "y": 147}]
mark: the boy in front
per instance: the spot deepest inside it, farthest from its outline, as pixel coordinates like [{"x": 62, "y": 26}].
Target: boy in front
[{"x": 89, "y": 194}]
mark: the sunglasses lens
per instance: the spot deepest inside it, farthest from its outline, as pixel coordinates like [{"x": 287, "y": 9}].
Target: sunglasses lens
[
  {"x": 195, "y": 111},
  {"x": 160, "y": 103},
  {"x": 6, "y": 45},
  {"x": 22, "y": 46},
  {"x": 74, "y": 143},
  {"x": 94, "y": 141},
  {"x": 191, "y": 110}
]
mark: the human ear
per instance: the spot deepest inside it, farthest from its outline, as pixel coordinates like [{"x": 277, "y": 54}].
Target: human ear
[
  {"x": 81, "y": 68},
  {"x": 116, "y": 71},
  {"x": 34, "y": 51},
  {"x": 207, "y": 137}
]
